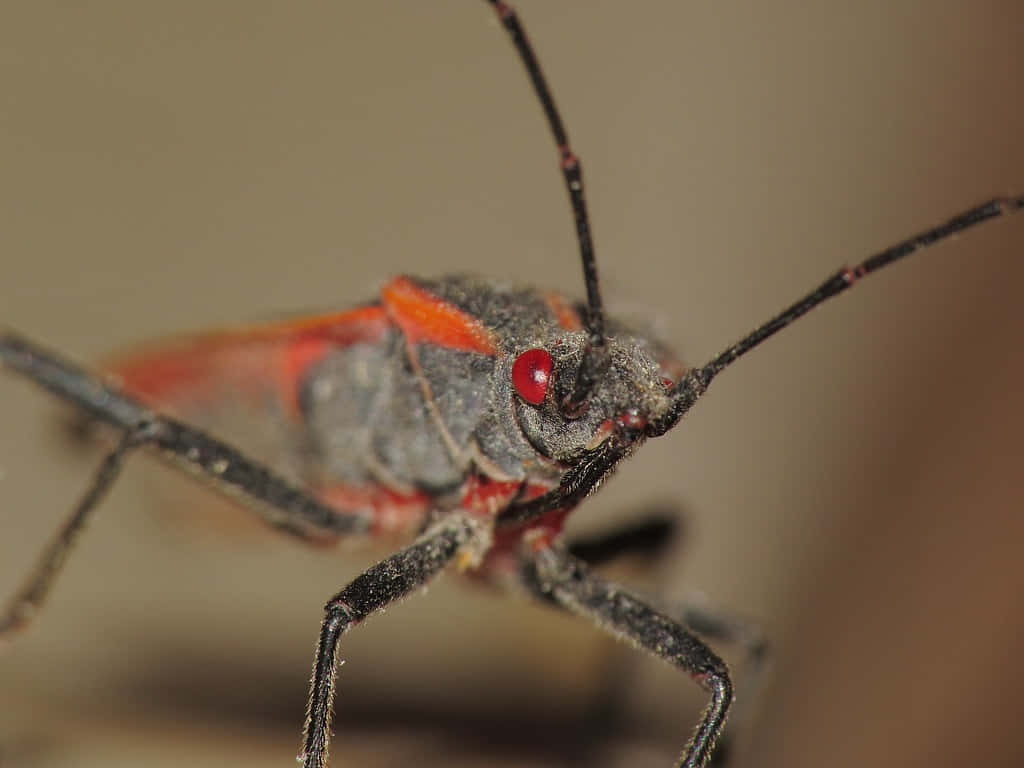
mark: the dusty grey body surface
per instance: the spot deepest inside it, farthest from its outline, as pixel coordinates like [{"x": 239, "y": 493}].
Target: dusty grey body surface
[{"x": 424, "y": 417}]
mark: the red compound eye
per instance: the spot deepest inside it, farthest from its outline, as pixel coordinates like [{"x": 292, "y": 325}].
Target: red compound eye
[{"x": 531, "y": 375}]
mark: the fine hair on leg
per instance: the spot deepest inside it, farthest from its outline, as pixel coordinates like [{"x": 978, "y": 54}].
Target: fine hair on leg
[
  {"x": 380, "y": 585},
  {"x": 556, "y": 576}
]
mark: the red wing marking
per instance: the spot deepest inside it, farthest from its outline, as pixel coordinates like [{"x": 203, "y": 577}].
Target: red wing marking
[
  {"x": 297, "y": 358},
  {"x": 425, "y": 318},
  {"x": 195, "y": 371},
  {"x": 567, "y": 317}
]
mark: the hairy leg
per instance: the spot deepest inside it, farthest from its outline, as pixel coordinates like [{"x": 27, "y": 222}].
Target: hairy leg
[
  {"x": 281, "y": 505},
  {"x": 379, "y": 586},
  {"x": 556, "y": 576}
]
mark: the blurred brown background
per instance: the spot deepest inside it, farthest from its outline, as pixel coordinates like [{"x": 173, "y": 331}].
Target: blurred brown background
[{"x": 856, "y": 484}]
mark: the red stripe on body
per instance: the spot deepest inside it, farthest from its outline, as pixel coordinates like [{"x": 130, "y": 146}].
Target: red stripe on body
[
  {"x": 566, "y": 315},
  {"x": 393, "y": 513},
  {"x": 425, "y": 318},
  {"x": 485, "y": 498}
]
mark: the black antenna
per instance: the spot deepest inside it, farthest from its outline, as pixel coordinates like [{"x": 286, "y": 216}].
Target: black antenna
[
  {"x": 696, "y": 382},
  {"x": 595, "y": 465},
  {"x": 595, "y": 356}
]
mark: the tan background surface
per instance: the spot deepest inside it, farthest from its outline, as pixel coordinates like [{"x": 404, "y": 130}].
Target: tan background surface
[{"x": 857, "y": 484}]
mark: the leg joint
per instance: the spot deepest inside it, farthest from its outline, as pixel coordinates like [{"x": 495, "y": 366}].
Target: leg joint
[{"x": 341, "y": 614}]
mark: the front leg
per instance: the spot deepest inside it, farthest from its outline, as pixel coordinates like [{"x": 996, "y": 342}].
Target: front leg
[
  {"x": 557, "y": 576},
  {"x": 377, "y": 587}
]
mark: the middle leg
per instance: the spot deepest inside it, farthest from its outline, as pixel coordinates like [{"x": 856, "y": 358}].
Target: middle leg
[
  {"x": 652, "y": 536},
  {"x": 556, "y": 576}
]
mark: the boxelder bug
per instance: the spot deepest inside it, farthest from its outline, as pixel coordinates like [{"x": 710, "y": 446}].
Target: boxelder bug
[{"x": 580, "y": 397}]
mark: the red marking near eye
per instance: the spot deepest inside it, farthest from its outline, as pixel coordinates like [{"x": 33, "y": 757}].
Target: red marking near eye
[
  {"x": 567, "y": 317},
  {"x": 425, "y": 318},
  {"x": 531, "y": 375}
]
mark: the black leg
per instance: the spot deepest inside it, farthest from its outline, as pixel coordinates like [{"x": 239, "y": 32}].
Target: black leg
[
  {"x": 384, "y": 583},
  {"x": 710, "y": 622},
  {"x": 649, "y": 536},
  {"x": 280, "y": 503},
  {"x": 557, "y": 576},
  {"x": 283, "y": 506},
  {"x": 747, "y": 636},
  {"x": 25, "y": 604}
]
